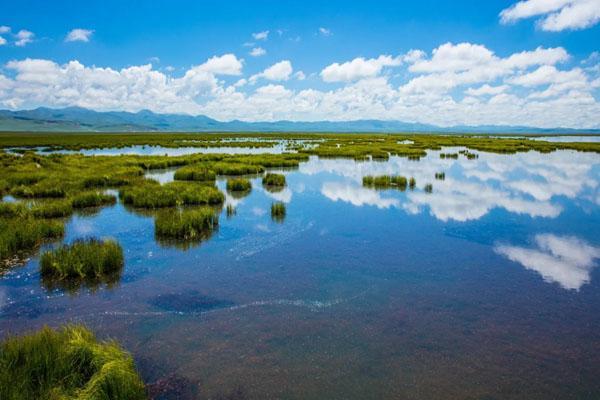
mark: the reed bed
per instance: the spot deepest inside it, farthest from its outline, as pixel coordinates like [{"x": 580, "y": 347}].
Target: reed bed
[
  {"x": 278, "y": 211},
  {"x": 153, "y": 195},
  {"x": 67, "y": 363},
  {"x": 195, "y": 173},
  {"x": 274, "y": 180},
  {"x": 24, "y": 233},
  {"x": 428, "y": 188},
  {"x": 186, "y": 225},
  {"x": 385, "y": 182},
  {"x": 238, "y": 185},
  {"x": 92, "y": 199},
  {"x": 440, "y": 176}
]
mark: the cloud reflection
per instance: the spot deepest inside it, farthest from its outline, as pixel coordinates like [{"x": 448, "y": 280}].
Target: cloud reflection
[
  {"x": 356, "y": 195},
  {"x": 566, "y": 260}
]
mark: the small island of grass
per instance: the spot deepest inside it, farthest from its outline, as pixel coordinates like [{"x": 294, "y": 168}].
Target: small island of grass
[{"x": 278, "y": 211}]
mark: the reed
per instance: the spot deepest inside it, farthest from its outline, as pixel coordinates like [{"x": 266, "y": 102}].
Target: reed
[
  {"x": 412, "y": 183},
  {"x": 274, "y": 180},
  {"x": 230, "y": 210},
  {"x": 66, "y": 363},
  {"x": 440, "y": 176},
  {"x": 238, "y": 185},
  {"x": 195, "y": 173},
  {"x": 385, "y": 182},
  {"x": 24, "y": 233},
  {"x": 428, "y": 188},
  {"x": 188, "y": 225}
]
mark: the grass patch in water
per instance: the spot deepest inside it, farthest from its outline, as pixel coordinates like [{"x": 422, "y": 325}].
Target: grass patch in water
[
  {"x": 88, "y": 262},
  {"x": 238, "y": 185},
  {"x": 274, "y": 182},
  {"x": 195, "y": 173},
  {"x": 180, "y": 226},
  {"x": 24, "y": 233},
  {"x": 52, "y": 209},
  {"x": 385, "y": 182},
  {"x": 440, "y": 176},
  {"x": 67, "y": 363},
  {"x": 278, "y": 211},
  {"x": 92, "y": 199},
  {"x": 428, "y": 188},
  {"x": 412, "y": 183},
  {"x": 151, "y": 194},
  {"x": 230, "y": 210}
]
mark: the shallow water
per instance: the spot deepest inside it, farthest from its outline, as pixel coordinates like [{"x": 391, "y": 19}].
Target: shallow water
[{"x": 486, "y": 288}]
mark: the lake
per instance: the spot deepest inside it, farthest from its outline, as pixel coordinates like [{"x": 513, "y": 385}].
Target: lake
[{"x": 485, "y": 288}]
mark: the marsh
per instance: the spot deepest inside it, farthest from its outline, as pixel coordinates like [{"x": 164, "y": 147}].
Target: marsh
[{"x": 484, "y": 283}]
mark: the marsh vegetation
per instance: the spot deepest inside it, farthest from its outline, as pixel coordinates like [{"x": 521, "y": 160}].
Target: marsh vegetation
[
  {"x": 66, "y": 363},
  {"x": 385, "y": 182},
  {"x": 278, "y": 211},
  {"x": 274, "y": 182},
  {"x": 183, "y": 227}
]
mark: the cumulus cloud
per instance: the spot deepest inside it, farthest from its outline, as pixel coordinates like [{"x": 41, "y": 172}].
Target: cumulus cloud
[
  {"x": 2, "y": 41},
  {"x": 4, "y": 29},
  {"x": 324, "y": 31},
  {"x": 227, "y": 64},
  {"x": 257, "y": 52},
  {"x": 23, "y": 37},
  {"x": 486, "y": 90},
  {"x": 280, "y": 71},
  {"x": 358, "y": 68},
  {"x": 556, "y": 15},
  {"x": 566, "y": 260},
  {"x": 260, "y": 35},
  {"x": 79, "y": 35}
]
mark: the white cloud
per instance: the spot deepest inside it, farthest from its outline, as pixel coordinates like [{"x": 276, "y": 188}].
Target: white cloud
[
  {"x": 79, "y": 35},
  {"x": 227, "y": 64},
  {"x": 486, "y": 90},
  {"x": 300, "y": 76},
  {"x": 325, "y": 31},
  {"x": 2, "y": 41},
  {"x": 4, "y": 29},
  {"x": 280, "y": 71},
  {"x": 566, "y": 260},
  {"x": 257, "y": 52},
  {"x": 358, "y": 68},
  {"x": 260, "y": 35},
  {"x": 556, "y": 15},
  {"x": 24, "y": 37}
]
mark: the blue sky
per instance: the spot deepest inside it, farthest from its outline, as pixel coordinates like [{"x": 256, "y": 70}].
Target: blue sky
[{"x": 428, "y": 61}]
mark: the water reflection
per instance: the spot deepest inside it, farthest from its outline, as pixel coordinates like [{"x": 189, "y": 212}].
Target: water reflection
[{"x": 566, "y": 260}]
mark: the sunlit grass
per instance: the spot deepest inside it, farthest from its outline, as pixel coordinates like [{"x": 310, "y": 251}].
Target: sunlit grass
[
  {"x": 67, "y": 363},
  {"x": 92, "y": 199},
  {"x": 186, "y": 225},
  {"x": 278, "y": 211}
]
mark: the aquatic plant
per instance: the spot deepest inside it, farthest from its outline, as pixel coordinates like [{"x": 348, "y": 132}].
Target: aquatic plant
[
  {"x": 385, "y": 182},
  {"x": 412, "y": 183},
  {"x": 187, "y": 225},
  {"x": 278, "y": 211},
  {"x": 151, "y": 194},
  {"x": 92, "y": 199},
  {"x": 449, "y": 155},
  {"x": 274, "y": 180},
  {"x": 195, "y": 173},
  {"x": 440, "y": 176},
  {"x": 428, "y": 188},
  {"x": 52, "y": 209},
  {"x": 66, "y": 363},
  {"x": 230, "y": 210},
  {"x": 238, "y": 185},
  {"x": 88, "y": 262},
  {"x": 23, "y": 233}
]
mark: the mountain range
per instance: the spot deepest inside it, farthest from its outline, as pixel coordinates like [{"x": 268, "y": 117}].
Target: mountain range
[{"x": 77, "y": 119}]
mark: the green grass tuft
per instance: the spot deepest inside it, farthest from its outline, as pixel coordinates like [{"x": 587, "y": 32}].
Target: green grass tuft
[
  {"x": 238, "y": 185},
  {"x": 385, "y": 182},
  {"x": 180, "y": 226},
  {"x": 278, "y": 211},
  {"x": 67, "y": 363},
  {"x": 92, "y": 199}
]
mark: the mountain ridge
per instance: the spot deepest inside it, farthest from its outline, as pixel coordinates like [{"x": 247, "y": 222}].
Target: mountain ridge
[{"x": 78, "y": 119}]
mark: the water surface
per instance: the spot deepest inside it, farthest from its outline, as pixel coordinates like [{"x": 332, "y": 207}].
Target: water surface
[{"x": 486, "y": 288}]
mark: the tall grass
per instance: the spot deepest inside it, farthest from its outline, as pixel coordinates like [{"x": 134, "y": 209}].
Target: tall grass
[
  {"x": 278, "y": 211},
  {"x": 385, "y": 182},
  {"x": 88, "y": 262},
  {"x": 195, "y": 173},
  {"x": 92, "y": 199},
  {"x": 153, "y": 195},
  {"x": 428, "y": 188},
  {"x": 186, "y": 225},
  {"x": 238, "y": 185},
  {"x": 24, "y": 233},
  {"x": 412, "y": 183},
  {"x": 67, "y": 363},
  {"x": 52, "y": 209},
  {"x": 274, "y": 180},
  {"x": 440, "y": 176}
]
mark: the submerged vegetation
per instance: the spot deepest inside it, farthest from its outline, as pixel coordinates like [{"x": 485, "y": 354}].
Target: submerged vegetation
[
  {"x": 88, "y": 262},
  {"x": 385, "y": 182},
  {"x": 67, "y": 363},
  {"x": 278, "y": 211}
]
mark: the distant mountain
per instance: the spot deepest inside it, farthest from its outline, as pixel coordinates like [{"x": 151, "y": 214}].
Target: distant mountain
[{"x": 77, "y": 119}]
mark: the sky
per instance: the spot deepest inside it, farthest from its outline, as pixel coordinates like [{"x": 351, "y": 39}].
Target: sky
[{"x": 528, "y": 63}]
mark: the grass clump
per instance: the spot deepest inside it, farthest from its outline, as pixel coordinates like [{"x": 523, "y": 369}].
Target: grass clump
[
  {"x": 428, "y": 188},
  {"x": 440, "y": 176},
  {"x": 52, "y": 209},
  {"x": 385, "y": 182},
  {"x": 449, "y": 155},
  {"x": 195, "y": 173},
  {"x": 412, "y": 183},
  {"x": 24, "y": 233},
  {"x": 92, "y": 199},
  {"x": 230, "y": 210},
  {"x": 153, "y": 195},
  {"x": 177, "y": 226},
  {"x": 89, "y": 262},
  {"x": 238, "y": 185},
  {"x": 67, "y": 363},
  {"x": 278, "y": 211},
  {"x": 274, "y": 181}
]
